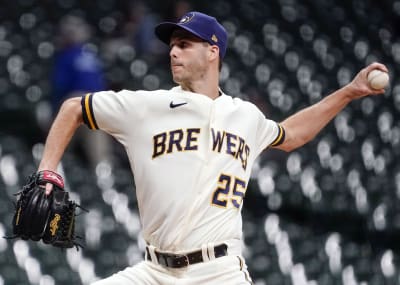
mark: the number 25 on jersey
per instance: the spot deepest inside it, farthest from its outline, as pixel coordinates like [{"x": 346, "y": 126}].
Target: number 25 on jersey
[{"x": 230, "y": 189}]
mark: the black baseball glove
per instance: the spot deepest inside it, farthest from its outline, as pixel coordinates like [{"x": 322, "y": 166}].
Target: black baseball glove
[{"x": 50, "y": 218}]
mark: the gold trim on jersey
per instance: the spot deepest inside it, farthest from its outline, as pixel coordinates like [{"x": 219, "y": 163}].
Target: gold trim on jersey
[
  {"x": 280, "y": 137},
  {"x": 87, "y": 111}
]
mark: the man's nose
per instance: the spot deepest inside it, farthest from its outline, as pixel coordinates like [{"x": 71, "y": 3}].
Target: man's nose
[{"x": 173, "y": 52}]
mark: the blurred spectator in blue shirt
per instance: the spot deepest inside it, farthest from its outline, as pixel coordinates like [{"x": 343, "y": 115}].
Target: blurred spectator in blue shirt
[{"x": 76, "y": 68}]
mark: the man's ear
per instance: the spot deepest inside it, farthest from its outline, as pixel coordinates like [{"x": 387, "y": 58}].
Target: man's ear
[{"x": 214, "y": 52}]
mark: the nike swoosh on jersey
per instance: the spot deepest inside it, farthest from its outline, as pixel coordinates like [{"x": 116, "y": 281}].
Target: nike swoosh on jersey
[{"x": 172, "y": 105}]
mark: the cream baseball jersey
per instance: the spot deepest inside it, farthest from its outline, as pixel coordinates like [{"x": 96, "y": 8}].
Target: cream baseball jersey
[{"x": 191, "y": 157}]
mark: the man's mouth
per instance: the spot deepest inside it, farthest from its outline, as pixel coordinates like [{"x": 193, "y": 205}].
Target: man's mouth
[{"x": 174, "y": 64}]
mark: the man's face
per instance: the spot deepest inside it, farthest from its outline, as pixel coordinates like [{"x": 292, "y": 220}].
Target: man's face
[{"x": 188, "y": 55}]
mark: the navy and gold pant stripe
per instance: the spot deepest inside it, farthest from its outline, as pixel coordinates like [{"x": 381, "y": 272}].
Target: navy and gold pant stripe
[
  {"x": 246, "y": 274},
  {"x": 280, "y": 137},
  {"x": 87, "y": 111}
]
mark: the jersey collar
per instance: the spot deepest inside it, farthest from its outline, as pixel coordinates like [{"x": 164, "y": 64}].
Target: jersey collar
[{"x": 180, "y": 90}]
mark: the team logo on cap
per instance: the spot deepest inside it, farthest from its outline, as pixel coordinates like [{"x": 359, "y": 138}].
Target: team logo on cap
[{"x": 185, "y": 19}]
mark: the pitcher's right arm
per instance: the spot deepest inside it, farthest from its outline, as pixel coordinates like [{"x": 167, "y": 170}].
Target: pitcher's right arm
[{"x": 68, "y": 119}]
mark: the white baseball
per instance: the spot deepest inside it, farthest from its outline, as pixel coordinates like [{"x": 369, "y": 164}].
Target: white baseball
[{"x": 378, "y": 79}]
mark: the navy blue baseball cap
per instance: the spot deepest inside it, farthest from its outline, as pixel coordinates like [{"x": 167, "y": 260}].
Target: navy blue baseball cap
[{"x": 198, "y": 24}]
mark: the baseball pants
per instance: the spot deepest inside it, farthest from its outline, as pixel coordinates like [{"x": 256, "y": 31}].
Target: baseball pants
[{"x": 230, "y": 269}]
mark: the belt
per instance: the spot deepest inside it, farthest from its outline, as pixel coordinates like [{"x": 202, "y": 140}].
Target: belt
[{"x": 181, "y": 260}]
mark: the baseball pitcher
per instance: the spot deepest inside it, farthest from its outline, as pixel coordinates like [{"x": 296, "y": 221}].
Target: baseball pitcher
[{"x": 191, "y": 150}]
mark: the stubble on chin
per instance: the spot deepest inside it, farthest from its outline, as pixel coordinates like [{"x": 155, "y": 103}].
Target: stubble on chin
[{"x": 176, "y": 79}]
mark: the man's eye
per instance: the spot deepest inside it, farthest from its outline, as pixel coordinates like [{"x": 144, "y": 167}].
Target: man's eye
[{"x": 180, "y": 45}]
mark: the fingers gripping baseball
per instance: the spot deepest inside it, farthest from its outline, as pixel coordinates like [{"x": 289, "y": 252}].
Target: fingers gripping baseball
[{"x": 363, "y": 84}]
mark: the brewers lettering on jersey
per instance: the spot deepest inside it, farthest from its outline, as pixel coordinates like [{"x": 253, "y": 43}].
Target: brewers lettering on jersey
[
  {"x": 165, "y": 142},
  {"x": 191, "y": 151}
]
